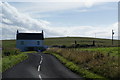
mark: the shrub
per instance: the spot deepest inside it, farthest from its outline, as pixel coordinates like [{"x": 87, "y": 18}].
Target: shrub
[{"x": 10, "y": 51}]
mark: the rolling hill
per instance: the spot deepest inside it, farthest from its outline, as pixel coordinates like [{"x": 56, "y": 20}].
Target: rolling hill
[{"x": 67, "y": 41}]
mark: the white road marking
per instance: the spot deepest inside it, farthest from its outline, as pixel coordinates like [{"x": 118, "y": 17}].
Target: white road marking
[
  {"x": 40, "y": 62},
  {"x": 41, "y": 59},
  {"x": 40, "y": 77},
  {"x": 39, "y": 68}
]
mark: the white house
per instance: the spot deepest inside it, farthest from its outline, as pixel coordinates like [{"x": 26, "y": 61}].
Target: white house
[{"x": 29, "y": 41}]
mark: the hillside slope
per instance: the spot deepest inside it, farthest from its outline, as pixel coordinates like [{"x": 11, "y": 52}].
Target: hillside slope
[{"x": 67, "y": 41}]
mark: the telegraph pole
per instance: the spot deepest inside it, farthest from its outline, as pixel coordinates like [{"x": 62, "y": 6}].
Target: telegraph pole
[{"x": 112, "y": 36}]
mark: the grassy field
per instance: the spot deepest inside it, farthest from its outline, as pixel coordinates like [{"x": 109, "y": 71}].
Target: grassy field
[
  {"x": 101, "y": 60},
  {"x": 112, "y": 51},
  {"x": 66, "y": 41},
  {"x": 8, "y": 43},
  {"x": 95, "y": 61},
  {"x": 80, "y": 40}
]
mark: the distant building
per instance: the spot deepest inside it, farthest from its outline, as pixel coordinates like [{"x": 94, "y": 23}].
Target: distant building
[{"x": 29, "y": 41}]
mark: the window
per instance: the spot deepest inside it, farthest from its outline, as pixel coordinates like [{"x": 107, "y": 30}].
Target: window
[
  {"x": 38, "y": 42},
  {"x": 22, "y": 42}
]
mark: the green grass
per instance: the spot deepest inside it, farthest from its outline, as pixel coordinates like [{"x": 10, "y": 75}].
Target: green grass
[
  {"x": 112, "y": 50},
  {"x": 10, "y": 61},
  {"x": 80, "y": 56},
  {"x": 80, "y": 40},
  {"x": 8, "y": 43},
  {"x": 0, "y": 64},
  {"x": 76, "y": 68},
  {"x": 67, "y": 41},
  {"x": 11, "y": 51},
  {"x": 15, "y": 57},
  {"x": 95, "y": 61}
]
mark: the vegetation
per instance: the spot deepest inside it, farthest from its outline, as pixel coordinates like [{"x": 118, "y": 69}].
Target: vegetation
[
  {"x": 10, "y": 61},
  {"x": 10, "y": 51},
  {"x": 94, "y": 61},
  {"x": 8, "y": 43},
  {"x": 9, "y": 48},
  {"x": 112, "y": 51},
  {"x": 68, "y": 41},
  {"x": 0, "y": 64},
  {"x": 75, "y": 68},
  {"x": 101, "y": 59},
  {"x": 11, "y": 55},
  {"x": 88, "y": 62},
  {"x": 13, "y": 59}
]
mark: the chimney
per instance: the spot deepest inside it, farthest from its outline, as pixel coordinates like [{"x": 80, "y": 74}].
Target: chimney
[
  {"x": 42, "y": 31},
  {"x": 43, "y": 34},
  {"x": 17, "y": 31}
]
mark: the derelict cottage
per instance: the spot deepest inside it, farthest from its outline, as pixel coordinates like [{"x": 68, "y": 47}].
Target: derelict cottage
[{"x": 29, "y": 41}]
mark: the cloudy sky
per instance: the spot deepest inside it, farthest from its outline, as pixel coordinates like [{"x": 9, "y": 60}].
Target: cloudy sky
[{"x": 60, "y": 19}]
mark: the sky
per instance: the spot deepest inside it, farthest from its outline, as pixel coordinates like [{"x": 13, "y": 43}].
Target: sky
[{"x": 60, "y": 19}]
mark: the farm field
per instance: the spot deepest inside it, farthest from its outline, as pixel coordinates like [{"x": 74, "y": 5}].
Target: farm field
[
  {"x": 8, "y": 43},
  {"x": 101, "y": 60},
  {"x": 68, "y": 41},
  {"x": 112, "y": 51}
]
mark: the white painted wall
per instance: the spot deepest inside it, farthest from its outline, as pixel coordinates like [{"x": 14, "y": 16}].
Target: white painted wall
[{"x": 28, "y": 43}]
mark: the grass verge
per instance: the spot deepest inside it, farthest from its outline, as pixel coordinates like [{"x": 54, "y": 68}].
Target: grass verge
[
  {"x": 97, "y": 62},
  {"x": 76, "y": 68},
  {"x": 10, "y": 61}
]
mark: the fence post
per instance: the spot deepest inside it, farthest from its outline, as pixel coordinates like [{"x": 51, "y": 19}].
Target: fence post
[{"x": 93, "y": 43}]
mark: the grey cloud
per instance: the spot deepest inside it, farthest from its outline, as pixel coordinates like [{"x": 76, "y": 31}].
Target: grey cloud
[{"x": 12, "y": 20}]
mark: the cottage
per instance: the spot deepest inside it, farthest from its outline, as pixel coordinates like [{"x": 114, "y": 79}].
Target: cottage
[{"x": 29, "y": 41}]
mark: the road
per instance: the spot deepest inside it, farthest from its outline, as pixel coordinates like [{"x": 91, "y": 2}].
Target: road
[{"x": 40, "y": 66}]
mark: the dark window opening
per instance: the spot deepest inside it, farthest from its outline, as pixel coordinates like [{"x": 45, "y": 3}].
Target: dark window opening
[{"x": 38, "y": 42}]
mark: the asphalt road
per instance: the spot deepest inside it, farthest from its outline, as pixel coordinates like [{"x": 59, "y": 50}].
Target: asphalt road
[{"x": 40, "y": 66}]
